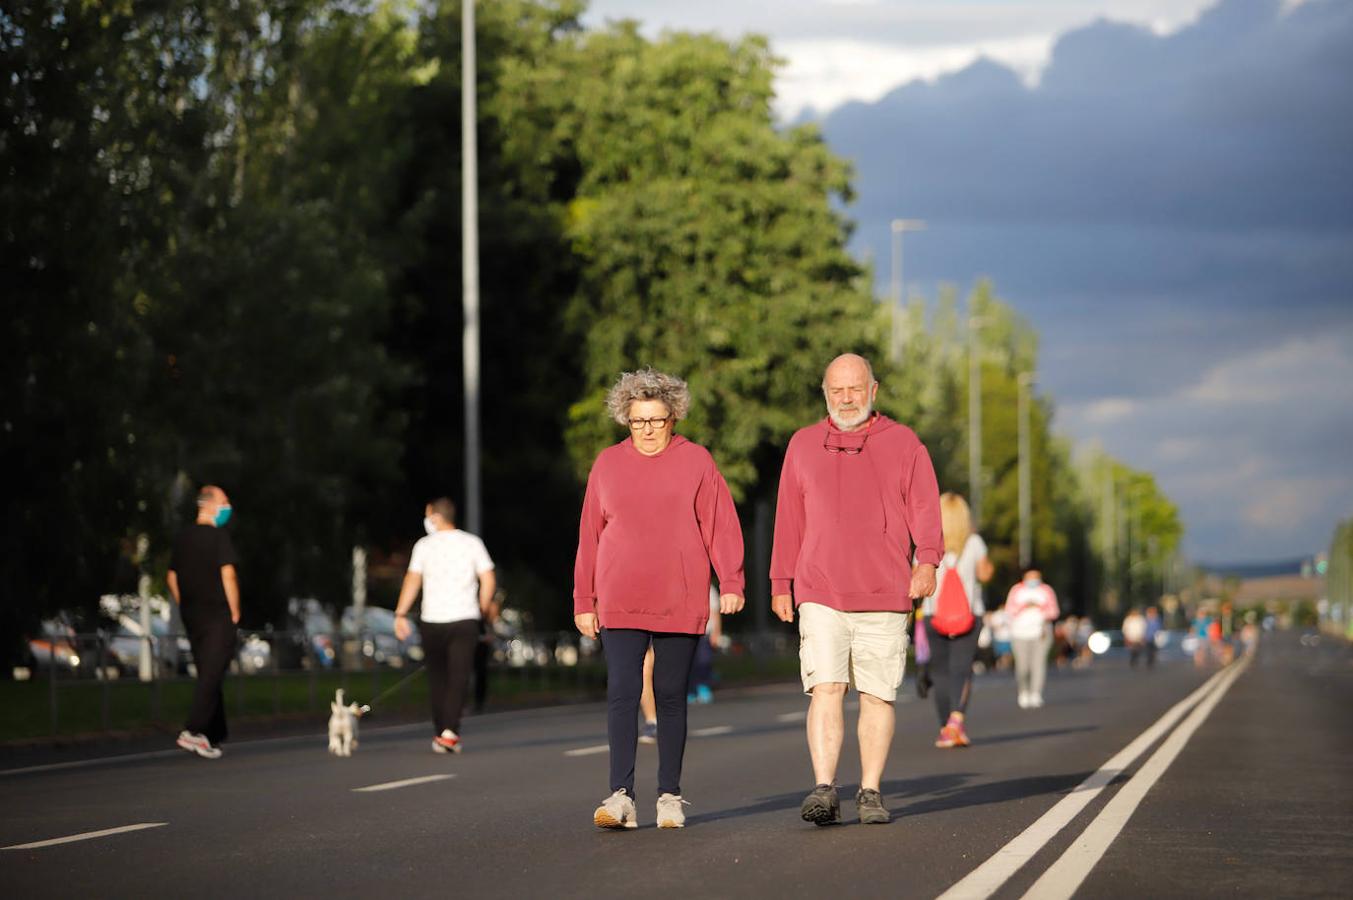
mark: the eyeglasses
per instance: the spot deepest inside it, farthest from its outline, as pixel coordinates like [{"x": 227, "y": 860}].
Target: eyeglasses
[
  {"x": 840, "y": 448},
  {"x": 657, "y": 424}
]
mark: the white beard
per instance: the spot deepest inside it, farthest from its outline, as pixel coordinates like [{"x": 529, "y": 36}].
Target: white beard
[{"x": 855, "y": 421}]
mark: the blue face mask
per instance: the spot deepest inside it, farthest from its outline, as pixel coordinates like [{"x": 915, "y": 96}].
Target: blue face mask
[{"x": 222, "y": 516}]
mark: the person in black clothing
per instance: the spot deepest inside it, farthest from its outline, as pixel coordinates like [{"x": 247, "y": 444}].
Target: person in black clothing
[{"x": 203, "y": 582}]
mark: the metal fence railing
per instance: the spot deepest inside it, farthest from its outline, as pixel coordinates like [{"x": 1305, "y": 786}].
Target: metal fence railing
[{"x": 110, "y": 681}]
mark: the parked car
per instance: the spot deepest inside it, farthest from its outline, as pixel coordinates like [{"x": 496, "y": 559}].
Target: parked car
[
  {"x": 373, "y": 637},
  {"x": 172, "y": 651},
  {"x": 56, "y": 645}
]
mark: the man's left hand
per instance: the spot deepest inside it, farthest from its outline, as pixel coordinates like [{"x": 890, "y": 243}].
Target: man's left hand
[
  {"x": 922, "y": 582},
  {"x": 730, "y": 603}
]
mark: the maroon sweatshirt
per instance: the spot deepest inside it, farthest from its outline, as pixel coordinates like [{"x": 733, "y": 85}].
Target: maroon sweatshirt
[
  {"x": 651, "y": 527},
  {"x": 846, "y": 523}
]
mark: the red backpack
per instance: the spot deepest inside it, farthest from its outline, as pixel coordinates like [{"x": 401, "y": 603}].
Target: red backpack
[{"x": 953, "y": 612}]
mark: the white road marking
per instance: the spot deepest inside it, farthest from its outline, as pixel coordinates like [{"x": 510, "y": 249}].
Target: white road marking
[
  {"x": 792, "y": 717},
  {"x": 86, "y": 836},
  {"x": 588, "y": 751},
  {"x": 712, "y": 731},
  {"x": 407, "y": 782},
  {"x": 231, "y": 748},
  {"x": 85, "y": 763},
  {"x": 984, "y": 881},
  {"x": 1065, "y": 876}
]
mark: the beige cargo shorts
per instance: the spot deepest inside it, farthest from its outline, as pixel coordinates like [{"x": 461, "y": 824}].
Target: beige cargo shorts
[{"x": 865, "y": 649}]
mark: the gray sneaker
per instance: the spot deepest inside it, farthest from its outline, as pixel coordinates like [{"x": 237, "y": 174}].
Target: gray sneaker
[
  {"x": 869, "y": 804},
  {"x": 670, "y": 813},
  {"x": 821, "y": 806},
  {"x": 616, "y": 811}
]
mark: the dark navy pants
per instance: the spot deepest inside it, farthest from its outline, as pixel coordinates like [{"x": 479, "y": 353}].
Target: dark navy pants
[{"x": 672, "y": 655}]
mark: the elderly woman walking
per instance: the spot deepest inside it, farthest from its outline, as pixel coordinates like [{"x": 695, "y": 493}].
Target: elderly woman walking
[{"x": 657, "y": 515}]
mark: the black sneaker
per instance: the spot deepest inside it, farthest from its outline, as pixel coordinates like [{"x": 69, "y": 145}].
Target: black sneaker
[
  {"x": 869, "y": 804},
  {"x": 821, "y": 806}
]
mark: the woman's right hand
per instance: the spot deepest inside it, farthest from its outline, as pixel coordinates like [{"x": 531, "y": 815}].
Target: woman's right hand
[{"x": 587, "y": 624}]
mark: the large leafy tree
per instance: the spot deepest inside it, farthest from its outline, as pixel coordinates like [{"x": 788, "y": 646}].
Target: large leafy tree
[{"x": 709, "y": 245}]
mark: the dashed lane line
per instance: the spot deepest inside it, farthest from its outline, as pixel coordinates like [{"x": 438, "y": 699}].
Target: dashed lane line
[
  {"x": 799, "y": 716},
  {"x": 987, "y": 878},
  {"x": 85, "y": 836},
  {"x": 403, "y": 783},
  {"x": 1065, "y": 876},
  {"x": 712, "y": 731}
]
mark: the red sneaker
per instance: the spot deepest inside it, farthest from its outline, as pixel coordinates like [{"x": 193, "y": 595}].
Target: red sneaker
[
  {"x": 446, "y": 742},
  {"x": 948, "y": 736}
]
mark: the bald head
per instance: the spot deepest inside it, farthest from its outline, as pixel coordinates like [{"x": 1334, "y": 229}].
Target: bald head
[
  {"x": 849, "y": 388},
  {"x": 851, "y": 366}
]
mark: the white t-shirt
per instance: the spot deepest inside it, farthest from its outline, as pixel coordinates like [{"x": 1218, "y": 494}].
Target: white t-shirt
[
  {"x": 450, "y": 562},
  {"x": 974, "y": 550}
]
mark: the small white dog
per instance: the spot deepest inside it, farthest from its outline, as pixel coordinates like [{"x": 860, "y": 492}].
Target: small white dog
[{"x": 343, "y": 725}]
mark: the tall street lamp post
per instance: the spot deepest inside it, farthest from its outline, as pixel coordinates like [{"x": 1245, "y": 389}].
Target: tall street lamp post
[
  {"x": 1025, "y": 473},
  {"x": 469, "y": 189},
  {"x": 899, "y": 227},
  {"x": 975, "y": 418}
]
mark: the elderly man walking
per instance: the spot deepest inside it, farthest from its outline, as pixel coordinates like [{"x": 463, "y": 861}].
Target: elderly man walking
[{"x": 857, "y": 500}]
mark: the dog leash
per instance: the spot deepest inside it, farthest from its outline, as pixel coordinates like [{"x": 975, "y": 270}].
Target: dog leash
[{"x": 366, "y": 707}]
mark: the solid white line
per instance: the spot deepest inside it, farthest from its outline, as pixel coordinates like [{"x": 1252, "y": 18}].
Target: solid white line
[
  {"x": 88, "y": 835},
  {"x": 407, "y": 782},
  {"x": 233, "y": 747},
  {"x": 1065, "y": 876},
  {"x": 792, "y": 717},
  {"x": 588, "y": 751},
  {"x": 85, "y": 763},
  {"x": 712, "y": 731},
  {"x": 983, "y": 881}
]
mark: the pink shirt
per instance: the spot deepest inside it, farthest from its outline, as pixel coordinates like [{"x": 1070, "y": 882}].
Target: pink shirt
[
  {"x": 651, "y": 527},
  {"x": 846, "y": 524}
]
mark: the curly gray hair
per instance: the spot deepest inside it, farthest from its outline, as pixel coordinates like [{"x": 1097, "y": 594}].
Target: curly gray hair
[{"x": 648, "y": 384}]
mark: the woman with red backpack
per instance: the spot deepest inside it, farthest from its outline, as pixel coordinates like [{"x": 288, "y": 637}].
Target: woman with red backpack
[{"x": 953, "y": 618}]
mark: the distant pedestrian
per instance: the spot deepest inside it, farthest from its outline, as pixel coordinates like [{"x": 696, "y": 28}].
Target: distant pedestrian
[
  {"x": 656, "y": 516},
  {"x": 857, "y": 500},
  {"x": 1031, "y": 607},
  {"x": 701, "y": 688},
  {"x": 1153, "y": 626},
  {"x": 1134, "y": 635},
  {"x": 953, "y": 619},
  {"x": 204, "y": 584},
  {"x": 483, "y": 652},
  {"x": 455, "y": 574}
]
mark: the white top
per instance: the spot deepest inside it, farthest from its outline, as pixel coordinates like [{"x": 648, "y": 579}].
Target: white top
[
  {"x": 974, "y": 550},
  {"x": 450, "y": 562}
]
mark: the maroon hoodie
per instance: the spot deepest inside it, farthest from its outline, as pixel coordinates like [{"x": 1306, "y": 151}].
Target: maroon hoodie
[
  {"x": 846, "y": 523},
  {"x": 651, "y": 527}
]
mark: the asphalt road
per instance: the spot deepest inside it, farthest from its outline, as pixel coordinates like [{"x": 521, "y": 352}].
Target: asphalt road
[{"x": 1245, "y": 791}]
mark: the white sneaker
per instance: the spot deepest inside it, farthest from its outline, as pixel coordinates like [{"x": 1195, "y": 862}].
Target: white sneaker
[
  {"x": 1035, "y": 700},
  {"x": 670, "y": 813},
  {"x": 1023, "y": 699},
  {"x": 197, "y": 743},
  {"x": 616, "y": 811},
  {"x": 446, "y": 742}
]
